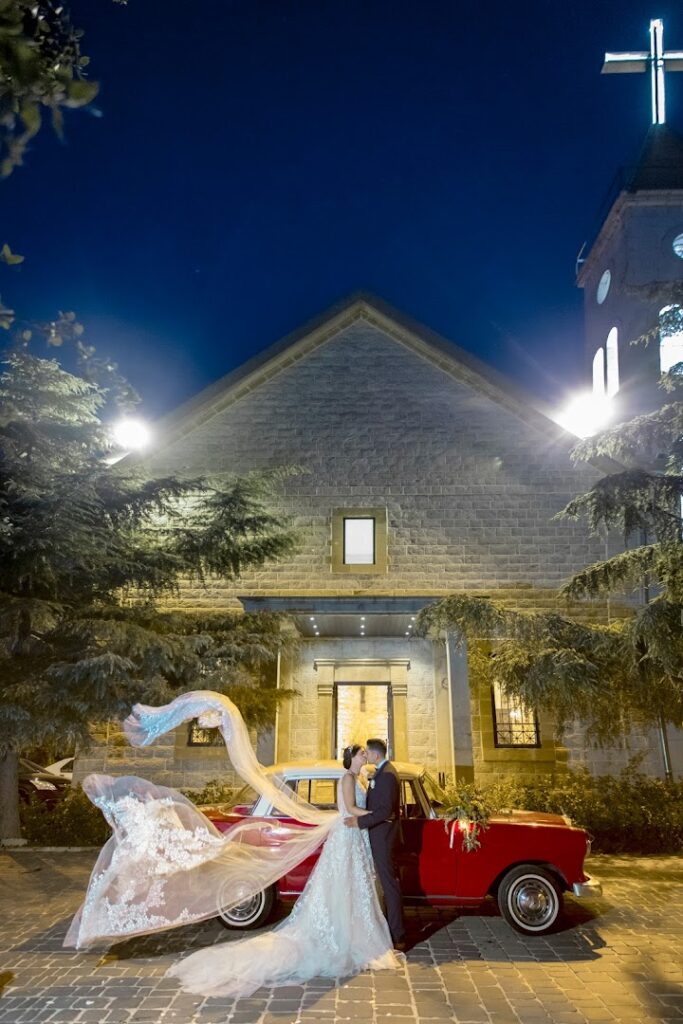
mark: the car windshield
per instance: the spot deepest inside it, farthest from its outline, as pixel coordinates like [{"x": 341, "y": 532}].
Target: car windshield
[
  {"x": 244, "y": 797},
  {"x": 435, "y": 793}
]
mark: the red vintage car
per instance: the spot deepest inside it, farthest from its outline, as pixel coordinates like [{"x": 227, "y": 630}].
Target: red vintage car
[{"x": 526, "y": 859}]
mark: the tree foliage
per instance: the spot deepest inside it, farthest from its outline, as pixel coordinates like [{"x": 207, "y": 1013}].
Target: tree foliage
[
  {"x": 91, "y": 554},
  {"x": 42, "y": 68}
]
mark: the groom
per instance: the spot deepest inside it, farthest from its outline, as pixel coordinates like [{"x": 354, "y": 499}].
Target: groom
[{"x": 382, "y": 822}]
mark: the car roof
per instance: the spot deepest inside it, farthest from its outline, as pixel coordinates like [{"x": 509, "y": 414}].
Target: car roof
[{"x": 329, "y": 769}]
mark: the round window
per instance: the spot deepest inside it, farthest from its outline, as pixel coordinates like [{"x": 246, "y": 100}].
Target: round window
[
  {"x": 603, "y": 287},
  {"x": 677, "y": 246}
]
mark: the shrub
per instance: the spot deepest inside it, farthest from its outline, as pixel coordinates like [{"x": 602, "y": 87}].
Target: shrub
[
  {"x": 71, "y": 821},
  {"x": 214, "y": 793},
  {"x": 626, "y": 813}
]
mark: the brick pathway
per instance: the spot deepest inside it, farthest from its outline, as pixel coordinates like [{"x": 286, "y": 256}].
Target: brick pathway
[{"x": 618, "y": 959}]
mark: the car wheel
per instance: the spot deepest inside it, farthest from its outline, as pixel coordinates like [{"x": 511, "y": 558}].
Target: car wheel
[
  {"x": 253, "y": 913},
  {"x": 530, "y": 899}
]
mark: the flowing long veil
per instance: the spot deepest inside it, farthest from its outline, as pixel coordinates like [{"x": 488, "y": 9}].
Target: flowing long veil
[{"x": 166, "y": 864}]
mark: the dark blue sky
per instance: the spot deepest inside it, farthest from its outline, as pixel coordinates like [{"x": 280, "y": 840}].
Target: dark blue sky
[{"x": 256, "y": 161}]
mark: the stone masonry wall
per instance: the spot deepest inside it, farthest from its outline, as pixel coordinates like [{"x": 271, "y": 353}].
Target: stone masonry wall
[{"x": 470, "y": 488}]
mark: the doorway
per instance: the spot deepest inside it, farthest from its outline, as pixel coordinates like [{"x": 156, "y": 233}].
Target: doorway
[{"x": 362, "y": 710}]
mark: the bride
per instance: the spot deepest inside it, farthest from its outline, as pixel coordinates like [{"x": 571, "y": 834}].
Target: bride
[{"x": 167, "y": 865}]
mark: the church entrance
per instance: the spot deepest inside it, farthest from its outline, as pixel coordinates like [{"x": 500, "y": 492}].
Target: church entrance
[{"x": 362, "y": 710}]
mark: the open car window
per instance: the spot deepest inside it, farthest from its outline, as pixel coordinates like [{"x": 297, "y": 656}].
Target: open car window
[
  {"x": 245, "y": 799},
  {"x": 321, "y": 793},
  {"x": 411, "y": 800}
]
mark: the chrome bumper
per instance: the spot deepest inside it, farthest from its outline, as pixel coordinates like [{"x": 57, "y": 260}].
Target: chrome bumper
[{"x": 587, "y": 890}]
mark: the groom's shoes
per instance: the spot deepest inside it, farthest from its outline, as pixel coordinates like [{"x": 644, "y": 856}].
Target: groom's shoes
[{"x": 401, "y": 946}]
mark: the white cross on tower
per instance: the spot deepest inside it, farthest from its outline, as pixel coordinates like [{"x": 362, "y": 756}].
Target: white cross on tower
[{"x": 656, "y": 60}]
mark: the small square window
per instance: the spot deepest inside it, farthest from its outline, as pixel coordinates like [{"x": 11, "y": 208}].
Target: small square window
[
  {"x": 359, "y": 541},
  {"x": 515, "y": 724}
]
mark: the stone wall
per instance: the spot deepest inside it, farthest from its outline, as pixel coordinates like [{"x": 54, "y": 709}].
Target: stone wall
[
  {"x": 169, "y": 761},
  {"x": 470, "y": 488}
]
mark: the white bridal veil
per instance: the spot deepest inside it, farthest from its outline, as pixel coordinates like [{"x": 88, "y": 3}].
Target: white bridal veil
[{"x": 166, "y": 864}]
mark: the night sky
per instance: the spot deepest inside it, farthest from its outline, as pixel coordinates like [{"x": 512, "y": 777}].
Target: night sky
[{"x": 255, "y": 162}]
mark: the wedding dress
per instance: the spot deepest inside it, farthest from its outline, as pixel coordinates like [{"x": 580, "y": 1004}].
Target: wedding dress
[
  {"x": 167, "y": 865},
  {"x": 335, "y": 929}
]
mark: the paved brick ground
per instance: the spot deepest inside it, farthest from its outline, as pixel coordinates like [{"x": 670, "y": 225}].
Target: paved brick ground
[{"x": 618, "y": 959}]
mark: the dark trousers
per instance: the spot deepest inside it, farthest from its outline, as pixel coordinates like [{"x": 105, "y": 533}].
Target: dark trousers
[{"x": 382, "y": 840}]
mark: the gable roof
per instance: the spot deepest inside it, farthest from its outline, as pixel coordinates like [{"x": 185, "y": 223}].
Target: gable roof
[{"x": 421, "y": 340}]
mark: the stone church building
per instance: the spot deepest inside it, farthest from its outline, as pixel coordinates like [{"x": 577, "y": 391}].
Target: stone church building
[{"x": 424, "y": 473}]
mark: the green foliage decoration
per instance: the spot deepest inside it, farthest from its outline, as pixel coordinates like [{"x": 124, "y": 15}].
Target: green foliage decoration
[{"x": 466, "y": 809}]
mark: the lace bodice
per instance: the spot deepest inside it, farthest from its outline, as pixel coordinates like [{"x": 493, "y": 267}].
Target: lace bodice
[{"x": 360, "y": 797}]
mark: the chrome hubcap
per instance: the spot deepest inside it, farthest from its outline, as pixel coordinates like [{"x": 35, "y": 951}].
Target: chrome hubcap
[
  {"x": 532, "y": 902},
  {"x": 244, "y": 912}
]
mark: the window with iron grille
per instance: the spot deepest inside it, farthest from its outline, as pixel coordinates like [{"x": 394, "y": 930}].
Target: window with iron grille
[{"x": 514, "y": 724}]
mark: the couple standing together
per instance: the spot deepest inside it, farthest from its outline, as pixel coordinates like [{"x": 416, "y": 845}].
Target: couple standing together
[
  {"x": 336, "y": 927},
  {"x": 377, "y": 813}
]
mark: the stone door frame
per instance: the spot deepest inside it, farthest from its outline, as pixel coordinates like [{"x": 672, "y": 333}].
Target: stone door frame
[{"x": 391, "y": 672}]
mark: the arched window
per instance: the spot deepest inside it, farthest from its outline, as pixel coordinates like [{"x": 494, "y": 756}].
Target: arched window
[
  {"x": 599, "y": 373},
  {"x": 670, "y": 337},
  {"x": 612, "y": 350}
]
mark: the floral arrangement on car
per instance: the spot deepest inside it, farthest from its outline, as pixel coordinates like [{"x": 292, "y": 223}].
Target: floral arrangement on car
[{"x": 466, "y": 810}]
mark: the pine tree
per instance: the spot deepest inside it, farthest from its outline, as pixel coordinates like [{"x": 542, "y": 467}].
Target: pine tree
[
  {"x": 618, "y": 673},
  {"x": 90, "y": 552}
]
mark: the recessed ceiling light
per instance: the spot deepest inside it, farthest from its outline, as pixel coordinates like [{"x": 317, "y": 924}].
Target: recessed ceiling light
[
  {"x": 412, "y": 618},
  {"x": 362, "y": 618},
  {"x": 312, "y": 618},
  {"x": 407, "y": 633}
]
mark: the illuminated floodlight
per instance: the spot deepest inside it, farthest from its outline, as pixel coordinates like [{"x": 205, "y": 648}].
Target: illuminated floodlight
[
  {"x": 585, "y": 414},
  {"x": 131, "y": 434}
]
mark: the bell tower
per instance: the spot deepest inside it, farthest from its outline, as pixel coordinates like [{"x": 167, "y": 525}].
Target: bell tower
[{"x": 632, "y": 270}]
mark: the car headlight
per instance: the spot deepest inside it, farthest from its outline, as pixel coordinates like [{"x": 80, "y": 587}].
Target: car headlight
[{"x": 43, "y": 784}]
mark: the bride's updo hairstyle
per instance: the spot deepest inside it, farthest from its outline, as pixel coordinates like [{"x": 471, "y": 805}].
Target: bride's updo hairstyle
[{"x": 349, "y": 754}]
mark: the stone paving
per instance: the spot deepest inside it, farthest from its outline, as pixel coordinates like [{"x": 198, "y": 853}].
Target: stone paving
[{"x": 616, "y": 959}]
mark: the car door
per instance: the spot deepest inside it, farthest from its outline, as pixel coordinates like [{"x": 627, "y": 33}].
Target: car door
[{"x": 425, "y": 859}]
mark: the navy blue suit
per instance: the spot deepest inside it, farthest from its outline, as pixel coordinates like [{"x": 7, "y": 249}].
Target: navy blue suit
[{"x": 382, "y": 822}]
